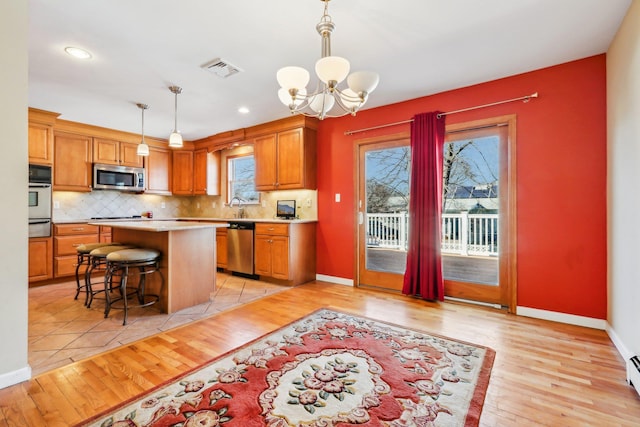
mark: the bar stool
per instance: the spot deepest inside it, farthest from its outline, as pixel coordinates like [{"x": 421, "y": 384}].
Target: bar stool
[
  {"x": 84, "y": 259},
  {"x": 98, "y": 262},
  {"x": 147, "y": 261}
]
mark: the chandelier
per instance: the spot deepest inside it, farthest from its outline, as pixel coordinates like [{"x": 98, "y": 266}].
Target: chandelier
[{"x": 328, "y": 100}]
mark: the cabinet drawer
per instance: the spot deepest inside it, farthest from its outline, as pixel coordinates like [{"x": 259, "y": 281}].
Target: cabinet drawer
[
  {"x": 78, "y": 228},
  {"x": 67, "y": 245},
  {"x": 272, "y": 229},
  {"x": 65, "y": 266}
]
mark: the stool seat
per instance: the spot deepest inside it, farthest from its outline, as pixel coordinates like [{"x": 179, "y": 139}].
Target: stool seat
[
  {"x": 103, "y": 251},
  {"x": 85, "y": 248},
  {"x": 133, "y": 255}
]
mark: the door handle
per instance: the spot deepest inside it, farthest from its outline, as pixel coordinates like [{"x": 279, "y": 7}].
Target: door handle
[{"x": 360, "y": 218}]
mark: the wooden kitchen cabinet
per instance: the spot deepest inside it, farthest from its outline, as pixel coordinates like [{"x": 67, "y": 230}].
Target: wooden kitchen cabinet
[
  {"x": 286, "y": 251},
  {"x": 108, "y": 151},
  {"x": 72, "y": 162},
  {"x": 286, "y": 160},
  {"x": 40, "y": 259},
  {"x": 158, "y": 169},
  {"x": 66, "y": 239},
  {"x": 206, "y": 172},
  {"x": 105, "y": 234},
  {"x": 40, "y": 144},
  {"x": 182, "y": 173},
  {"x": 221, "y": 247},
  {"x": 41, "y": 136}
]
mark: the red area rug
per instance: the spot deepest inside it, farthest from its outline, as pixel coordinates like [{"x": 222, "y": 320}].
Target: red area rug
[{"x": 326, "y": 369}]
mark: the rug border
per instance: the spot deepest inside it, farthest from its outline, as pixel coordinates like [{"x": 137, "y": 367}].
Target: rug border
[{"x": 478, "y": 395}]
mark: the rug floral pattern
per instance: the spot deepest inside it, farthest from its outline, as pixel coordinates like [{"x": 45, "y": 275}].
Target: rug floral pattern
[{"x": 327, "y": 369}]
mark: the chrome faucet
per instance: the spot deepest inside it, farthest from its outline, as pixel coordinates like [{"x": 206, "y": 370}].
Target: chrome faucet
[{"x": 240, "y": 213}]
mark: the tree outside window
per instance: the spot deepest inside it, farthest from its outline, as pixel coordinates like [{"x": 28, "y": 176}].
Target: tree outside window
[{"x": 241, "y": 171}]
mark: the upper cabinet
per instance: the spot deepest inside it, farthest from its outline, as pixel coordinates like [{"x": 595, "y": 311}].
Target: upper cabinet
[
  {"x": 112, "y": 152},
  {"x": 206, "y": 172},
  {"x": 286, "y": 160},
  {"x": 158, "y": 168},
  {"x": 72, "y": 162},
  {"x": 196, "y": 173},
  {"x": 182, "y": 173},
  {"x": 41, "y": 136}
]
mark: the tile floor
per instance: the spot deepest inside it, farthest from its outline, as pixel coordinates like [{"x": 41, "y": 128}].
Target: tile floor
[{"x": 62, "y": 330}]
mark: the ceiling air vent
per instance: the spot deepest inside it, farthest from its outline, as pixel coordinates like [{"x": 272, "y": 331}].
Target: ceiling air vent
[{"x": 221, "y": 68}]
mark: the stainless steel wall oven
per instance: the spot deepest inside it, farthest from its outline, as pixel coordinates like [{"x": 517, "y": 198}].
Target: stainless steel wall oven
[{"x": 39, "y": 201}]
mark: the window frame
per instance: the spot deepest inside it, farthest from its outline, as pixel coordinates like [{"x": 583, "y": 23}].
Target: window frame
[{"x": 230, "y": 170}]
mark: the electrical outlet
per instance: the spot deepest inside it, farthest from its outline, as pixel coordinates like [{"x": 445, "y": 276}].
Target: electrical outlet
[
  {"x": 308, "y": 203},
  {"x": 337, "y": 197},
  {"x": 162, "y": 205},
  {"x": 264, "y": 203},
  {"x": 198, "y": 205},
  {"x": 56, "y": 204},
  {"x": 213, "y": 205}
]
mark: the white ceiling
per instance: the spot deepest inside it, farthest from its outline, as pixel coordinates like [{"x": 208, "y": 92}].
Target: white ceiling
[{"x": 419, "y": 47}]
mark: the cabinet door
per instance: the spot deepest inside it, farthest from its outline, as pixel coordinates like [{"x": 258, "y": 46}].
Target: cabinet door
[
  {"x": 129, "y": 155},
  {"x": 262, "y": 258},
  {"x": 290, "y": 161},
  {"x": 221, "y": 248},
  {"x": 158, "y": 168},
  {"x": 206, "y": 172},
  {"x": 264, "y": 153},
  {"x": 72, "y": 162},
  {"x": 280, "y": 257},
  {"x": 40, "y": 259},
  {"x": 182, "y": 172},
  {"x": 40, "y": 144},
  {"x": 106, "y": 151}
]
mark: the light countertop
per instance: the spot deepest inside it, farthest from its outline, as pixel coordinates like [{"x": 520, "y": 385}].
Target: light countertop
[
  {"x": 159, "y": 225},
  {"x": 181, "y": 219}
]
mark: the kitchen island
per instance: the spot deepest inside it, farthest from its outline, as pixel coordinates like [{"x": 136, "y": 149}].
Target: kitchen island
[{"x": 188, "y": 262}]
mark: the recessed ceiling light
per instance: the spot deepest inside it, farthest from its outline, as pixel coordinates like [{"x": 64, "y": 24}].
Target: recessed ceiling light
[
  {"x": 76, "y": 52},
  {"x": 243, "y": 110}
]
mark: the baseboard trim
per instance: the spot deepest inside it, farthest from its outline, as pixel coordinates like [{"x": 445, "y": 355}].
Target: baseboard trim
[
  {"x": 571, "y": 319},
  {"x": 15, "y": 377},
  {"x": 334, "y": 279}
]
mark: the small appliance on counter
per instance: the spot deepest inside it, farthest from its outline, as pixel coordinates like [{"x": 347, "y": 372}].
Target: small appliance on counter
[{"x": 39, "y": 201}]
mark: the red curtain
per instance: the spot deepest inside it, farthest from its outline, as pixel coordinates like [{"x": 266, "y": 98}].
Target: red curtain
[{"x": 423, "y": 275}]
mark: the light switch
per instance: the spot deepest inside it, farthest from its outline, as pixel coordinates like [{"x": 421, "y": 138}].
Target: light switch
[
  {"x": 337, "y": 197},
  {"x": 56, "y": 204}
]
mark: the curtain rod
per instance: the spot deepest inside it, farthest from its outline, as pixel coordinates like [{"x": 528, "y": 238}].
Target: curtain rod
[{"x": 524, "y": 99}]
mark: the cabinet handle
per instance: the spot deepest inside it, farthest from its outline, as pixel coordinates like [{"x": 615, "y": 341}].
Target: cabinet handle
[
  {"x": 271, "y": 229},
  {"x": 78, "y": 229},
  {"x": 75, "y": 245}
]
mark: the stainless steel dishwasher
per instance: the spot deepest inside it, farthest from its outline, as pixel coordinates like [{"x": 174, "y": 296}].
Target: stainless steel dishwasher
[{"x": 240, "y": 247}]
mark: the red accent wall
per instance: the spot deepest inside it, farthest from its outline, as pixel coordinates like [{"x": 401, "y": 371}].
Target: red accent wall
[{"x": 561, "y": 180}]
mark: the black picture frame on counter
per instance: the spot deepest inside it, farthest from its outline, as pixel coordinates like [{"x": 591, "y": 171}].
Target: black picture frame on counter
[{"x": 286, "y": 209}]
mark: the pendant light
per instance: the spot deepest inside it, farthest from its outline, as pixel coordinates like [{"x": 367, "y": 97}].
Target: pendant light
[
  {"x": 331, "y": 71},
  {"x": 175, "y": 139},
  {"x": 143, "y": 148}
]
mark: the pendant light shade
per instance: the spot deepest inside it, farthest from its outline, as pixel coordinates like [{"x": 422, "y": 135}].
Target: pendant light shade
[
  {"x": 143, "y": 148},
  {"x": 175, "y": 139}
]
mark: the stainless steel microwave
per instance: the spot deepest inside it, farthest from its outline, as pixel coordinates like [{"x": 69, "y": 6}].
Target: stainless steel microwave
[{"x": 121, "y": 178}]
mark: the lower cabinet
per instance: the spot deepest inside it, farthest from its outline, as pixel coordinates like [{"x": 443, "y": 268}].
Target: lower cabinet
[
  {"x": 40, "y": 259},
  {"x": 221, "y": 247},
  {"x": 66, "y": 239},
  {"x": 286, "y": 251}
]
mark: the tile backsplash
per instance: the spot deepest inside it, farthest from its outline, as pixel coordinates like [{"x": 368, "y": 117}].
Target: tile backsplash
[{"x": 80, "y": 206}]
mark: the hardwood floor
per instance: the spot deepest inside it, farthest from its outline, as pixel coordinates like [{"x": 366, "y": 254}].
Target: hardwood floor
[{"x": 544, "y": 373}]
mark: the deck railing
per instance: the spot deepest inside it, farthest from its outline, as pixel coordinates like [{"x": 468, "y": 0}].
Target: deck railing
[{"x": 462, "y": 233}]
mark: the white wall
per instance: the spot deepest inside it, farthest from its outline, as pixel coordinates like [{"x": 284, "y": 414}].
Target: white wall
[
  {"x": 14, "y": 206},
  {"x": 623, "y": 176}
]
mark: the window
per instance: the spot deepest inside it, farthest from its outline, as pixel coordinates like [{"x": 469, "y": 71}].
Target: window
[{"x": 241, "y": 172}]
